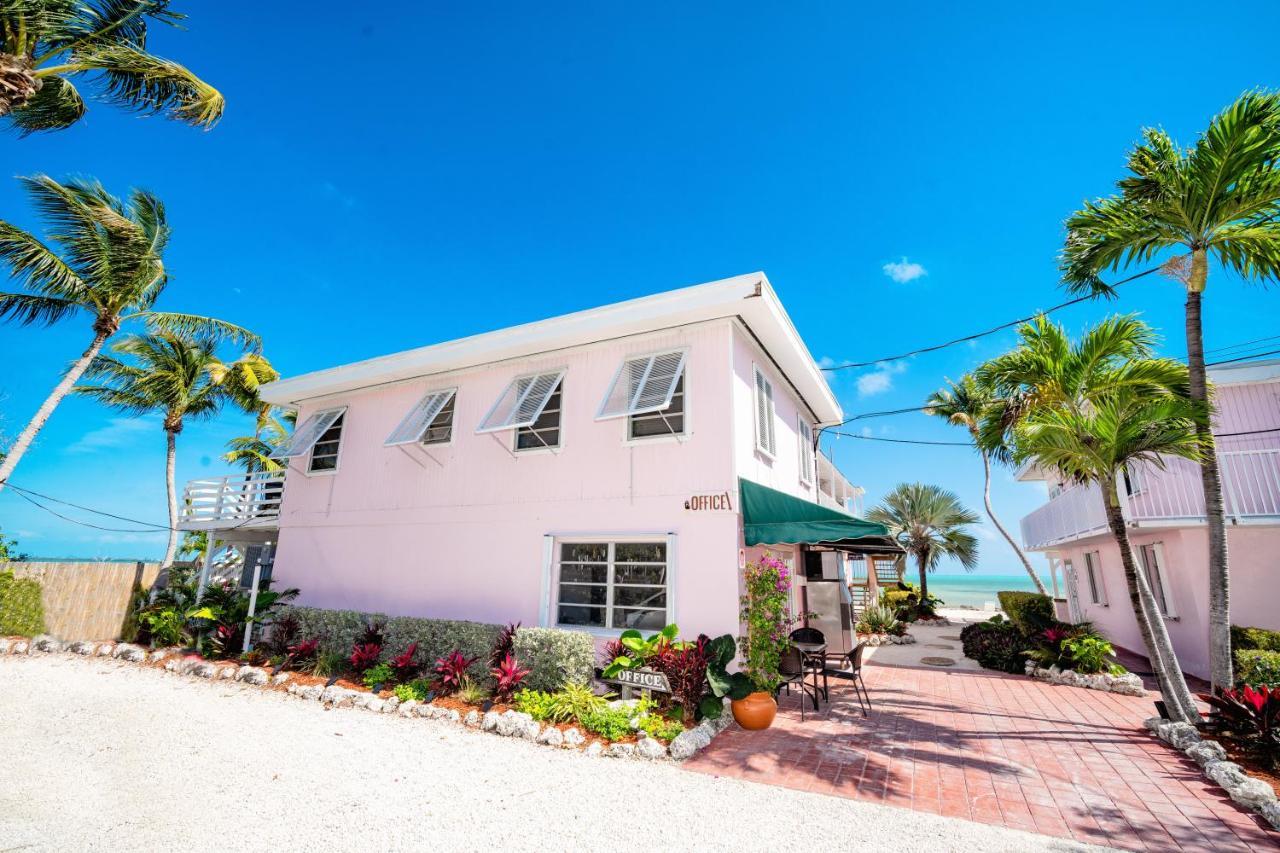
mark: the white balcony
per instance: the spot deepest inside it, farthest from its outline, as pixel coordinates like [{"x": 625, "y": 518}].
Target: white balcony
[
  {"x": 1169, "y": 497},
  {"x": 835, "y": 490},
  {"x": 250, "y": 501}
]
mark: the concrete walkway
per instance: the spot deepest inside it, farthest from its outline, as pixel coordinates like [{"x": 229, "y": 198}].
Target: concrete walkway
[
  {"x": 998, "y": 749},
  {"x": 98, "y": 755}
]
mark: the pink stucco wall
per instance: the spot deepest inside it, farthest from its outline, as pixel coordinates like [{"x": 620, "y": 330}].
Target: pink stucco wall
[
  {"x": 461, "y": 531},
  {"x": 1255, "y": 589}
]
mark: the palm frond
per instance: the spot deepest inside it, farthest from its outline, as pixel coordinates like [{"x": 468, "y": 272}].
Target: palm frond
[
  {"x": 56, "y": 106},
  {"x": 38, "y": 268},
  {"x": 201, "y": 328},
  {"x": 30, "y": 309},
  {"x": 140, "y": 80}
]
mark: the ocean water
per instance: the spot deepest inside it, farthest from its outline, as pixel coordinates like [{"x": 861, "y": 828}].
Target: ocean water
[{"x": 975, "y": 590}]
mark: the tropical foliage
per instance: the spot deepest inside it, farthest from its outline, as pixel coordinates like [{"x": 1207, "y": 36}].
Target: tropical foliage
[
  {"x": 766, "y": 613},
  {"x": 213, "y": 620},
  {"x": 105, "y": 257},
  {"x": 1218, "y": 199},
  {"x": 47, "y": 46},
  {"x": 1250, "y": 717},
  {"x": 930, "y": 523}
]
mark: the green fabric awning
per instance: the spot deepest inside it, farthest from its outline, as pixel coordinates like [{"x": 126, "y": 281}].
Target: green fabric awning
[{"x": 771, "y": 517}]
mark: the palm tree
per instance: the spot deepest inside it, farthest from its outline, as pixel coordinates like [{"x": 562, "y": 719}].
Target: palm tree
[
  {"x": 1054, "y": 391},
  {"x": 966, "y": 403},
  {"x": 45, "y": 43},
  {"x": 180, "y": 377},
  {"x": 1220, "y": 198},
  {"x": 928, "y": 521},
  {"x": 1100, "y": 443},
  {"x": 110, "y": 265},
  {"x": 254, "y": 452}
]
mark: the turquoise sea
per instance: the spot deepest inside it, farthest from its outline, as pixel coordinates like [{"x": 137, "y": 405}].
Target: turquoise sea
[{"x": 976, "y": 590}]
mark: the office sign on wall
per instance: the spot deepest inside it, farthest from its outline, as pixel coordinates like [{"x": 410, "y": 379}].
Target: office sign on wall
[{"x": 709, "y": 502}]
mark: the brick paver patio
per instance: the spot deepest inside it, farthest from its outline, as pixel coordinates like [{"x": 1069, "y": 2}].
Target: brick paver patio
[{"x": 997, "y": 749}]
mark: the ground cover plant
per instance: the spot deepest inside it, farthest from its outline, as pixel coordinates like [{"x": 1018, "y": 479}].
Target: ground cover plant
[
  {"x": 21, "y": 607},
  {"x": 995, "y": 644},
  {"x": 1250, "y": 718}
]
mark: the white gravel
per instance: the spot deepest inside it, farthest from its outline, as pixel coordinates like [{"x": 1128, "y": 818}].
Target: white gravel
[{"x": 99, "y": 755}]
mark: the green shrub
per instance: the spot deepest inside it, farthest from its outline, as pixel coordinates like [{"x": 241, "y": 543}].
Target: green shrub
[
  {"x": 660, "y": 727},
  {"x": 554, "y": 655},
  {"x": 536, "y": 703},
  {"x": 377, "y": 675},
  {"x": 614, "y": 723},
  {"x": 995, "y": 645},
  {"x": 877, "y": 620},
  {"x": 1090, "y": 653},
  {"x": 1257, "y": 667},
  {"x": 21, "y": 608},
  {"x": 1030, "y": 612},
  {"x": 1247, "y": 639}
]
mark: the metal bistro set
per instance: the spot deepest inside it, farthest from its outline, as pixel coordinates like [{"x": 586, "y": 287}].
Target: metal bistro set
[{"x": 809, "y": 666}]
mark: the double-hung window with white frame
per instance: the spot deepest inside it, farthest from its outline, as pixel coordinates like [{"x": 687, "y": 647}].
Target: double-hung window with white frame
[
  {"x": 613, "y": 585},
  {"x": 321, "y": 436},
  {"x": 804, "y": 431},
  {"x": 1158, "y": 578},
  {"x": 1093, "y": 571},
  {"x": 766, "y": 438},
  {"x": 426, "y": 418}
]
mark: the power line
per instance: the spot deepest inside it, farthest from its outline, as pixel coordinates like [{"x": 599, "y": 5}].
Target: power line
[
  {"x": 1243, "y": 344},
  {"x": 1241, "y": 358},
  {"x": 53, "y": 512},
  {"x": 904, "y": 440},
  {"x": 17, "y": 488},
  {"x": 991, "y": 331}
]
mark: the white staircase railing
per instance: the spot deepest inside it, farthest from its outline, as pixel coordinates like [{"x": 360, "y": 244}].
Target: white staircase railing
[{"x": 239, "y": 499}]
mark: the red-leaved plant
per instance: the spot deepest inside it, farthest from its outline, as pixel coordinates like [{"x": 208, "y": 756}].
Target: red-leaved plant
[
  {"x": 685, "y": 666},
  {"x": 404, "y": 665},
  {"x": 504, "y": 645},
  {"x": 1251, "y": 716},
  {"x": 452, "y": 669},
  {"x": 613, "y": 649},
  {"x": 365, "y": 656},
  {"x": 303, "y": 651},
  {"x": 507, "y": 676}
]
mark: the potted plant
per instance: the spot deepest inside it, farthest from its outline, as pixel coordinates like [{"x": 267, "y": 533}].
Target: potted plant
[{"x": 766, "y": 611}]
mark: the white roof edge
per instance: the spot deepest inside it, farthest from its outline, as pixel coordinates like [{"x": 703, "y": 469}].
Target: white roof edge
[
  {"x": 750, "y": 297},
  {"x": 1245, "y": 372}
]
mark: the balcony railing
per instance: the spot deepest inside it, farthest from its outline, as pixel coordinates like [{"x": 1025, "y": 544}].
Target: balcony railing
[
  {"x": 1250, "y": 490},
  {"x": 240, "y": 500}
]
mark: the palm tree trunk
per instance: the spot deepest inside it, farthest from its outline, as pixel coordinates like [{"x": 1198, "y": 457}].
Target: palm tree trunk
[
  {"x": 991, "y": 514},
  {"x": 1220, "y": 666},
  {"x": 41, "y": 417},
  {"x": 924, "y": 577},
  {"x": 1164, "y": 661},
  {"x": 171, "y": 455}
]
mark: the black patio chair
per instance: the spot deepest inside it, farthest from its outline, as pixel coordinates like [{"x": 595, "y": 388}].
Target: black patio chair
[
  {"x": 808, "y": 635},
  {"x": 851, "y": 671},
  {"x": 815, "y": 661},
  {"x": 794, "y": 670}
]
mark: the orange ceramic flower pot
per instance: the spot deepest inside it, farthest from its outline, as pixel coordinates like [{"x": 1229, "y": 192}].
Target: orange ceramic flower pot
[{"x": 755, "y": 712}]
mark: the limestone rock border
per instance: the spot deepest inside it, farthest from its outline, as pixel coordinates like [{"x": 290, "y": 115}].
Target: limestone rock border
[
  {"x": 1126, "y": 685},
  {"x": 507, "y": 724},
  {"x": 1252, "y": 793},
  {"x": 886, "y": 639}
]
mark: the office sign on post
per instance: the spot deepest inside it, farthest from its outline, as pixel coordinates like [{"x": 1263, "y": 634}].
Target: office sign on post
[{"x": 644, "y": 679}]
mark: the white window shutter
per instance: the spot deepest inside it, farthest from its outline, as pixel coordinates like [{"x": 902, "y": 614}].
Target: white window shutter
[
  {"x": 805, "y": 433},
  {"x": 521, "y": 402},
  {"x": 419, "y": 418},
  {"x": 764, "y": 414},
  {"x": 306, "y": 435},
  {"x": 641, "y": 385}
]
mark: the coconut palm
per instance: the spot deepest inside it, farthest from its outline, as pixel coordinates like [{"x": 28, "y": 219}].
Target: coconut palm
[
  {"x": 929, "y": 523},
  {"x": 180, "y": 377},
  {"x": 965, "y": 403},
  {"x": 1100, "y": 443},
  {"x": 44, "y": 44},
  {"x": 110, "y": 265},
  {"x": 1219, "y": 198}
]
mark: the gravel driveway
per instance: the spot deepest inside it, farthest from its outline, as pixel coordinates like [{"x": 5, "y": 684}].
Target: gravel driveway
[{"x": 98, "y": 755}]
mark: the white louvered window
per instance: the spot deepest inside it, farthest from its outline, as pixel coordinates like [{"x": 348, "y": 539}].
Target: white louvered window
[
  {"x": 424, "y": 413},
  {"x": 1093, "y": 569},
  {"x": 804, "y": 430},
  {"x": 440, "y": 430},
  {"x": 544, "y": 432},
  {"x": 324, "y": 453},
  {"x": 1157, "y": 578},
  {"x": 643, "y": 384},
  {"x": 308, "y": 433},
  {"x": 668, "y": 421},
  {"x": 766, "y": 440},
  {"x": 521, "y": 402}
]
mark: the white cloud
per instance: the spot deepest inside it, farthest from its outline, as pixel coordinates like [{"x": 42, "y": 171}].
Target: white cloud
[
  {"x": 904, "y": 270},
  {"x": 119, "y": 432},
  {"x": 879, "y": 380}
]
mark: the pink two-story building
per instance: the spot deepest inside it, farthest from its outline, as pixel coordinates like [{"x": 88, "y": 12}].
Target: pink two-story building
[
  {"x": 582, "y": 471},
  {"x": 1165, "y": 512}
]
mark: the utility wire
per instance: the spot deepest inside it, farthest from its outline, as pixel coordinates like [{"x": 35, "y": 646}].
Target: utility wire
[
  {"x": 903, "y": 440},
  {"x": 17, "y": 488},
  {"x": 991, "y": 331},
  {"x": 1241, "y": 358},
  {"x": 53, "y": 512}
]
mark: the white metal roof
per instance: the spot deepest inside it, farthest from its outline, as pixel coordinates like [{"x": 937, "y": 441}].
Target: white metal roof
[{"x": 748, "y": 297}]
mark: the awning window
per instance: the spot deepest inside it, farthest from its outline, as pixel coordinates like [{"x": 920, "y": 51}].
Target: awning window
[
  {"x": 420, "y": 417},
  {"x": 771, "y": 517},
  {"x": 521, "y": 402},
  {"x": 306, "y": 435},
  {"x": 644, "y": 384}
]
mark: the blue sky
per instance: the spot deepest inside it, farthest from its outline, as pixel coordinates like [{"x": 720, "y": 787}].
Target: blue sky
[{"x": 387, "y": 181}]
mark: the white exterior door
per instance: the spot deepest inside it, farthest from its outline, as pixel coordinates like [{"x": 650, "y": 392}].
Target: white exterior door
[{"x": 1073, "y": 591}]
